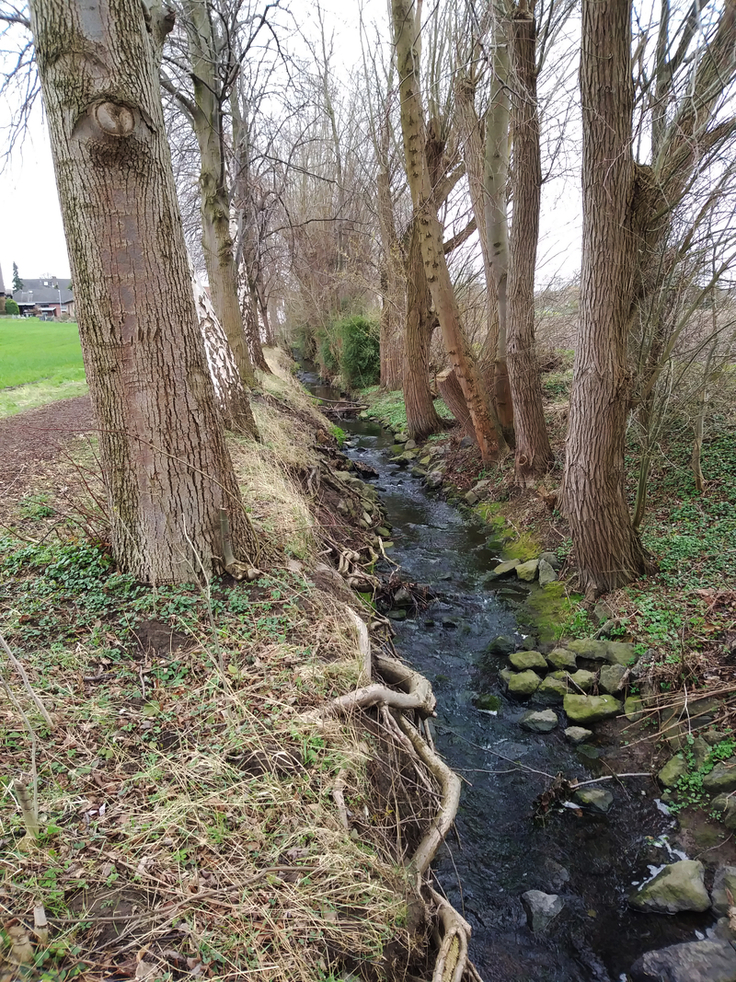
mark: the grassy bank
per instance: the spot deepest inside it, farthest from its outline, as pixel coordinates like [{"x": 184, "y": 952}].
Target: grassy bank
[
  {"x": 199, "y": 812},
  {"x": 40, "y": 362}
]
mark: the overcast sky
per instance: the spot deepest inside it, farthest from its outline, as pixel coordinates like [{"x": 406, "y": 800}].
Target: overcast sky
[{"x": 32, "y": 235}]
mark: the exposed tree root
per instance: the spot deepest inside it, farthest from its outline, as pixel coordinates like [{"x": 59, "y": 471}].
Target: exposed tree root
[
  {"x": 452, "y": 959},
  {"x": 416, "y": 697}
]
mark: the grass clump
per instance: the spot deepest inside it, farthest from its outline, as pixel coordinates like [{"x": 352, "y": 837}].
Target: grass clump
[
  {"x": 182, "y": 810},
  {"x": 389, "y": 410}
]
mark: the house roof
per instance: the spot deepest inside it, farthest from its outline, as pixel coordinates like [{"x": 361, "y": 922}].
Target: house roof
[{"x": 44, "y": 290}]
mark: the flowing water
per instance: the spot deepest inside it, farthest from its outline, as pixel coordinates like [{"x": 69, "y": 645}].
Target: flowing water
[{"x": 499, "y": 850}]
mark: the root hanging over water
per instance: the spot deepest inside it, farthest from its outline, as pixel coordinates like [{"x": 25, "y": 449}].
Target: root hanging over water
[{"x": 404, "y": 701}]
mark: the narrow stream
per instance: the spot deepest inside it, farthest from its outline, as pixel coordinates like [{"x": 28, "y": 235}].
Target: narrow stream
[{"x": 499, "y": 850}]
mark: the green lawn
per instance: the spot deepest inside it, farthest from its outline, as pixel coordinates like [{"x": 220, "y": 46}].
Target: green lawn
[
  {"x": 39, "y": 363},
  {"x": 32, "y": 350}
]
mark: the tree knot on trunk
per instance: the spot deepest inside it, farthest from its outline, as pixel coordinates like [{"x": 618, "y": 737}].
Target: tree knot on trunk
[{"x": 114, "y": 119}]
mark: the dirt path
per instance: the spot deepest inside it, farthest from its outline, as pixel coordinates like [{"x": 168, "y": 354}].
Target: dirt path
[{"x": 32, "y": 439}]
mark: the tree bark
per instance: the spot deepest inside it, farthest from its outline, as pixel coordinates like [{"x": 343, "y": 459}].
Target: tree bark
[
  {"x": 392, "y": 276},
  {"x": 495, "y": 182},
  {"x": 253, "y": 327},
  {"x": 431, "y": 233},
  {"x": 229, "y": 389},
  {"x": 167, "y": 470},
  {"x": 217, "y": 243},
  {"x": 534, "y": 455},
  {"x": 608, "y": 550},
  {"x": 422, "y": 418}
]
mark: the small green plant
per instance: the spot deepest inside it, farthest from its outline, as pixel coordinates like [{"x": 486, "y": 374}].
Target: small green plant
[
  {"x": 339, "y": 434},
  {"x": 35, "y": 507}
]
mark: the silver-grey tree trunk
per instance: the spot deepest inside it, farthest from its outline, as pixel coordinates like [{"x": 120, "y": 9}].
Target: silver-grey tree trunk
[{"x": 167, "y": 469}]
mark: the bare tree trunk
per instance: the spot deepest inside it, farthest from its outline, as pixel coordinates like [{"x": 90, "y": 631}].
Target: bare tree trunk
[
  {"x": 253, "y": 328},
  {"x": 230, "y": 392},
  {"x": 217, "y": 243},
  {"x": 453, "y": 398},
  {"x": 495, "y": 181},
  {"x": 167, "y": 469},
  {"x": 421, "y": 416},
  {"x": 608, "y": 550},
  {"x": 392, "y": 276},
  {"x": 431, "y": 232},
  {"x": 534, "y": 455}
]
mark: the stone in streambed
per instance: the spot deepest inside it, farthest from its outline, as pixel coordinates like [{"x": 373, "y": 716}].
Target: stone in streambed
[
  {"x": 528, "y": 571},
  {"x": 541, "y": 909},
  {"x": 721, "y": 778},
  {"x": 673, "y": 770},
  {"x": 562, "y": 659},
  {"x": 487, "y": 702},
  {"x": 552, "y": 691},
  {"x": 522, "y": 660},
  {"x": 676, "y": 888},
  {"x": 582, "y": 679},
  {"x": 590, "y": 709},
  {"x": 539, "y": 720},
  {"x": 546, "y": 573},
  {"x": 723, "y": 884},
  {"x": 695, "y": 961},
  {"x": 724, "y": 808},
  {"x": 521, "y": 685},
  {"x": 599, "y": 799},
  {"x": 503, "y": 569},
  {"x": 577, "y": 734},
  {"x": 501, "y": 645},
  {"x": 613, "y": 652},
  {"x": 633, "y": 709},
  {"x": 612, "y": 678}
]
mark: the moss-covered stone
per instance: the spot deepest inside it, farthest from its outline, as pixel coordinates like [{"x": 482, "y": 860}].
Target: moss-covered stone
[
  {"x": 521, "y": 685},
  {"x": 487, "y": 702},
  {"x": 539, "y": 720},
  {"x": 582, "y": 679},
  {"x": 599, "y": 799},
  {"x": 528, "y": 571},
  {"x": 562, "y": 658},
  {"x": 522, "y": 660},
  {"x": 633, "y": 709},
  {"x": 590, "y": 709},
  {"x": 721, "y": 778},
  {"x": 552, "y": 691},
  {"x": 613, "y": 652},
  {"x": 545, "y": 609},
  {"x": 673, "y": 770},
  {"x": 678, "y": 887},
  {"x": 524, "y": 548},
  {"x": 503, "y": 569},
  {"x": 611, "y": 678}
]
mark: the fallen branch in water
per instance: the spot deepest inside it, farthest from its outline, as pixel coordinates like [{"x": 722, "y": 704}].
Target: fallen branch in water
[{"x": 608, "y": 777}]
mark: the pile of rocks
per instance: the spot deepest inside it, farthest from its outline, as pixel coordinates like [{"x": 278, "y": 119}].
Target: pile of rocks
[{"x": 586, "y": 695}]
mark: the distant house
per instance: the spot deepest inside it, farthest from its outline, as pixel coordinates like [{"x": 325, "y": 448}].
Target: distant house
[{"x": 47, "y": 297}]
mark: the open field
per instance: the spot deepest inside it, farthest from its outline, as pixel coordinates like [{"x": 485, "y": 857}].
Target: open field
[{"x": 39, "y": 363}]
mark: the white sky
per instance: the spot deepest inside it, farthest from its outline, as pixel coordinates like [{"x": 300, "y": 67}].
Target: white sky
[{"x": 32, "y": 235}]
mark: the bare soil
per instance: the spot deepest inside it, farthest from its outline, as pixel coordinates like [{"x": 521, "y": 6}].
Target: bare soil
[{"x": 30, "y": 441}]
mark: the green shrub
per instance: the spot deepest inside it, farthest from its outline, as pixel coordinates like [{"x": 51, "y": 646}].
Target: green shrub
[
  {"x": 11, "y": 307},
  {"x": 360, "y": 355}
]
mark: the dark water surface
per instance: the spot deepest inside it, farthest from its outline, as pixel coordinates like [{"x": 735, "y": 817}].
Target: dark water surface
[{"x": 500, "y": 850}]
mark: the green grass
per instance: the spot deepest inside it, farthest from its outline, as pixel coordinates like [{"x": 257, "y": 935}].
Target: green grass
[
  {"x": 389, "y": 410},
  {"x": 40, "y": 362},
  {"x": 32, "y": 350}
]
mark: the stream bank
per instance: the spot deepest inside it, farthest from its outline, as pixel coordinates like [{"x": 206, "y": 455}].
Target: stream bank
[{"x": 587, "y": 858}]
